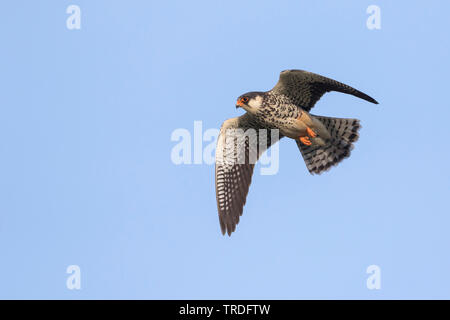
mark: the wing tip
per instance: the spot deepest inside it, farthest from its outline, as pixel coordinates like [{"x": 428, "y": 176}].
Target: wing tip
[
  {"x": 366, "y": 97},
  {"x": 373, "y": 100},
  {"x": 226, "y": 231},
  {"x": 226, "y": 228}
]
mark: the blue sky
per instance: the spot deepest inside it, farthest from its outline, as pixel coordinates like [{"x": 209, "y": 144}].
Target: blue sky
[{"x": 86, "y": 176}]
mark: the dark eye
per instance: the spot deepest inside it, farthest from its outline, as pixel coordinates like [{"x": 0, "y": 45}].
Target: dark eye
[{"x": 244, "y": 99}]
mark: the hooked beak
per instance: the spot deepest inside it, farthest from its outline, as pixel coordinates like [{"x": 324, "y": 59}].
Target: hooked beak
[{"x": 239, "y": 104}]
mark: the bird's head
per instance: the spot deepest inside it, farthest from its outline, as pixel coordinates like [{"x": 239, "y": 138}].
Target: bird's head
[{"x": 250, "y": 101}]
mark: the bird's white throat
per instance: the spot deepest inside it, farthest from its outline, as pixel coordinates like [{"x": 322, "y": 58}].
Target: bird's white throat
[{"x": 254, "y": 104}]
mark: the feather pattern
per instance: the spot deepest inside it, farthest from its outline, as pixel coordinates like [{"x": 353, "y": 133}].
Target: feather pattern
[
  {"x": 240, "y": 143},
  {"x": 344, "y": 132},
  {"x": 305, "y": 88}
]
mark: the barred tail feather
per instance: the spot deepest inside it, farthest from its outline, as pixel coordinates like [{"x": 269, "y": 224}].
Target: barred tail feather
[{"x": 344, "y": 132}]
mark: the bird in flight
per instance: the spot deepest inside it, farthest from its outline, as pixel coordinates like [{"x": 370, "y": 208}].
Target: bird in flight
[{"x": 271, "y": 115}]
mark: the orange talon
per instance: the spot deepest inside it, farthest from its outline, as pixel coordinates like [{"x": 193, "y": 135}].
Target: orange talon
[
  {"x": 310, "y": 132},
  {"x": 305, "y": 140}
]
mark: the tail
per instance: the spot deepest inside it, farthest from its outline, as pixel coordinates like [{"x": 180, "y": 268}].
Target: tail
[{"x": 344, "y": 132}]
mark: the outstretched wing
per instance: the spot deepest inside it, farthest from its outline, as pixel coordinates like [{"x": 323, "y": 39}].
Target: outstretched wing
[
  {"x": 305, "y": 88},
  {"x": 239, "y": 145}
]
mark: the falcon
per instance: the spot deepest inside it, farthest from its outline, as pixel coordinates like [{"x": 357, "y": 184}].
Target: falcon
[{"x": 271, "y": 115}]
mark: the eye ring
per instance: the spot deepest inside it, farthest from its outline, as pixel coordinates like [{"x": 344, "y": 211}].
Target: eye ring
[{"x": 244, "y": 99}]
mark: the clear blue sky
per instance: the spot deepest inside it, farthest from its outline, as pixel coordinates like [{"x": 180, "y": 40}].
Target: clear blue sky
[{"x": 86, "y": 176}]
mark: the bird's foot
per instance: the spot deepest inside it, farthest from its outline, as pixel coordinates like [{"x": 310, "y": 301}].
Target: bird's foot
[
  {"x": 310, "y": 132},
  {"x": 305, "y": 140}
]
